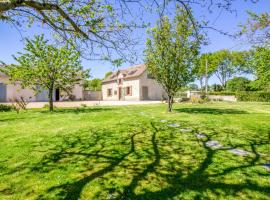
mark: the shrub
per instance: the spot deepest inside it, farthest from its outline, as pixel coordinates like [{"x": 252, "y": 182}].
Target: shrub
[
  {"x": 20, "y": 103},
  {"x": 183, "y": 99},
  {"x": 83, "y": 105},
  {"x": 194, "y": 99},
  {"x": 5, "y": 108},
  {"x": 216, "y": 87},
  {"x": 238, "y": 84},
  {"x": 46, "y": 106},
  {"x": 253, "y": 96},
  {"x": 203, "y": 99},
  {"x": 222, "y": 93}
]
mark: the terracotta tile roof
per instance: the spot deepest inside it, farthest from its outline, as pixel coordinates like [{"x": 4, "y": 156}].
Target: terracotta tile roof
[{"x": 130, "y": 72}]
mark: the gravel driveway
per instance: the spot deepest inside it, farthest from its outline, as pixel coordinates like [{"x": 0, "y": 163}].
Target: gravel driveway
[{"x": 71, "y": 104}]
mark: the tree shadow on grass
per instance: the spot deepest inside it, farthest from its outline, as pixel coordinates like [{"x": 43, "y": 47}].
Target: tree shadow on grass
[
  {"x": 213, "y": 111},
  {"x": 201, "y": 181},
  {"x": 154, "y": 142},
  {"x": 78, "y": 110}
]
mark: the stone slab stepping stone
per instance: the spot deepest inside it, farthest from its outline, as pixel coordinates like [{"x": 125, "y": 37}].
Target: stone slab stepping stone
[
  {"x": 174, "y": 125},
  {"x": 267, "y": 166},
  {"x": 185, "y": 130},
  {"x": 163, "y": 121},
  {"x": 214, "y": 144},
  {"x": 200, "y": 136},
  {"x": 239, "y": 152}
]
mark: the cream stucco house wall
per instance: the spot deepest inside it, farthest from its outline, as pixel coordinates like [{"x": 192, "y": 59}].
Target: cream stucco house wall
[
  {"x": 132, "y": 84},
  {"x": 9, "y": 92}
]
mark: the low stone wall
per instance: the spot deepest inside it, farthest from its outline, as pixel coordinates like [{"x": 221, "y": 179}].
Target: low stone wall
[
  {"x": 92, "y": 95},
  {"x": 222, "y": 98}
]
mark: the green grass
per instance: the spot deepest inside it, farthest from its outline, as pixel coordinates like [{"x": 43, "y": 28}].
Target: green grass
[{"x": 127, "y": 153}]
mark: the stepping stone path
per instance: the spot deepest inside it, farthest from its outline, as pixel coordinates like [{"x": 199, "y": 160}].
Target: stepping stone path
[
  {"x": 174, "y": 125},
  {"x": 200, "y": 136},
  {"x": 185, "y": 130},
  {"x": 214, "y": 144},
  {"x": 239, "y": 152},
  {"x": 267, "y": 166}
]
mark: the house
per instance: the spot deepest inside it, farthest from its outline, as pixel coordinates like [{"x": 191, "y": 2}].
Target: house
[
  {"x": 132, "y": 84},
  {"x": 11, "y": 92}
]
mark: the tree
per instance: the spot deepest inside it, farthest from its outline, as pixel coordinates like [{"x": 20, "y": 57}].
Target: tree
[
  {"x": 98, "y": 29},
  {"x": 43, "y": 66},
  {"x": 216, "y": 88},
  {"x": 260, "y": 63},
  {"x": 94, "y": 84},
  {"x": 108, "y": 74},
  {"x": 172, "y": 49},
  {"x": 257, "y": 28},
  {"x": 229, "y": 63},
  {"x": 193, "y": 86},
  {"x": 204, "y": 68},
  {"x": 238, "y": 84}
]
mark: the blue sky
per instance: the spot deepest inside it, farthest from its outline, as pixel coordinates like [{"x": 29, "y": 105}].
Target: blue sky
[{"x": 11, "y": 40}]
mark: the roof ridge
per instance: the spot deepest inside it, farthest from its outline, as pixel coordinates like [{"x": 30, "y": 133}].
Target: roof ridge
[{"x": 136, "y": 70}]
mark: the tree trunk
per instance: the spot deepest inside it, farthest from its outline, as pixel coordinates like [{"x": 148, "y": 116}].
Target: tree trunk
[
  {"x": 201, "y": 83},
  {"x": 170, "y": 102},
  {"x": 51, "y": 100},
  {"x": 206, "y": 76}
]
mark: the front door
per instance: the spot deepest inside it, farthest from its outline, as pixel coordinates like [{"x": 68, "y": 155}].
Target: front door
[
  {"x": 3, "y": 92},
  {"x": 145, "y": 93},
  {"x": 57, "y": 94}
]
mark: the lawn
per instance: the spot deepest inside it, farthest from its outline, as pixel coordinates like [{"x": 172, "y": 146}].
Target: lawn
[{"x": 136, "y": 152}]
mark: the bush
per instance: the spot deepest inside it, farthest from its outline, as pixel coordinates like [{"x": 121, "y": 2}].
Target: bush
[
  {"x": 194, "y": 99},
  {"x": 183, "y": 99},
  {"x": 216, "y": 87},
  {"x": 222, "y": 93},
  {"x": 83, "y": 105},
  {"x": 253, "y": 96},
  {"x": 238, "y": 84},
  {"x": 47, "y": 106},
  {"x": 202, "y": 99},
  {"x": 5, "y": 108}
]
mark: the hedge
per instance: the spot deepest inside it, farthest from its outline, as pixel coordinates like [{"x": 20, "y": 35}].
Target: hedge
[
  {"x": 227, "y": 93},
  {"x": 5, "y": 108},
  {"x": 253, "y": 96}
]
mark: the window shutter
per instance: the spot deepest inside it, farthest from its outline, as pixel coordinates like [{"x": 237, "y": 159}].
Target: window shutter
[{"x": 130, "y": 90}]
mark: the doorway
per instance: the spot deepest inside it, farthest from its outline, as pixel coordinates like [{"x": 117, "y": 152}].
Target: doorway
[
  {"x": 3, "y": 92},
  {"x": 57, "y": 94},
  {"x": 145, "y": 93}
]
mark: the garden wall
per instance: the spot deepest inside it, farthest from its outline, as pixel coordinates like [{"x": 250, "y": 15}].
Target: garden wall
[
  {"x": 222, "y": 98},
  {"x": 92, "y": 95}
]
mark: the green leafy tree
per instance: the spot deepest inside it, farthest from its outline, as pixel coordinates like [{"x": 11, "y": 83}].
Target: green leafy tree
[
  {"x": 229, "y": 63},
  {"x": 94, "y": 84},
  {"x": 216, "y": 88},
  {"x": 96, "y": 28},
  {"x": 171, "y": 52},
  {"x": 193, "y": 86},
  {"x": 43, "y": 66},
  {"x": 204, "y": 68},
  {"x": 238, "y": 84},
  {"x": 260, "y": 63},
  {"x": 108, "y": 74},
  {"x": 256, "y": 29}
]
